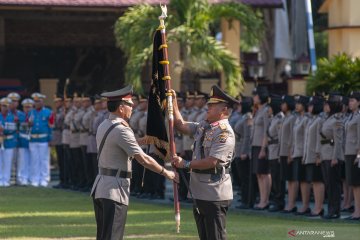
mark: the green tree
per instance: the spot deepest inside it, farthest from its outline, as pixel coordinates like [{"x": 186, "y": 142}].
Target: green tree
[
  {"x": 189, "y": 23},
  {"x": 339, "y": 73}
]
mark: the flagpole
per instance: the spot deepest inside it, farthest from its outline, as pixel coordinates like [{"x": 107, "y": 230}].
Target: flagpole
[{"x": 167, "y": 79}]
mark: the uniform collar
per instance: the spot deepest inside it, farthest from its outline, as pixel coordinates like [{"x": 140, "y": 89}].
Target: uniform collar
[{"x": 217, "y": 123}]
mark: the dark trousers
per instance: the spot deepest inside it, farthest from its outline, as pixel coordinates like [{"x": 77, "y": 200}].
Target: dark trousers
[
  {"x": 253, "y": 183},
  {"x": 137, "y": 175},
  {"x": 60, "y": 159},
  {"x": 77, "y": 172},
  {"x": 183, "y": 191},
  {"x": 211, "y": 222},
  {"x": 333, "y": 184},
  {"x": 110, "y": 219},
  {"x": 67, "y": 165},
  {"x": 88, "y": 173},
  {"x": 278, "y": 185},
  {"x": 242, "y": 168},
  {"x": 154, "y": 183},
  {"x": 94, "y": 165}
]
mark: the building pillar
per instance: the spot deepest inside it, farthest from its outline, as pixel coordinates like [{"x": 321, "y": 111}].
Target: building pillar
[
  {"x": 343, "y": 26},
  {"x": 231, "y": 38},
  {"x": 48, "y": 87}
]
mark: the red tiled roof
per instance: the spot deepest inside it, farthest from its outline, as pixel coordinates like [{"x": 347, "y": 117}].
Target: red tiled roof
[
  {"x": 78, "y": 3},
  {"x": 120, "y": 3},
  {"x": 255, "y": 3}
]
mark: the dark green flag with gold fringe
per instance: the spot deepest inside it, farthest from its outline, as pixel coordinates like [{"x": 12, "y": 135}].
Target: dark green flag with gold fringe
[{"x": 156, "y": 126}]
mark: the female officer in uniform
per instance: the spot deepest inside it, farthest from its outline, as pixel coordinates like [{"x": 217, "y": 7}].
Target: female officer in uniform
[
  {"x": 285, "y": 137},
  {"x": 278, "y": 185},
  {"x": 298, "y": 152},
  {"x": 311, "y": 160},
  {"x": 243, "y": 131},
  {"x": 259, "y": 159},
  {"x": 352, "y": 152},
  {"x": 331, "y": 152}
]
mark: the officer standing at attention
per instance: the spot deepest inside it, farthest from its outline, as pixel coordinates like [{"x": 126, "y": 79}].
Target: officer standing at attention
[
  {"x": 41, "y": 121},
  {"x": 117, "y": 147},
  {"x": 277, "y": 185},
  {"x": 210, "y": 181},
  {"x": 9, "y": 141},
  {"x": 23, "y": 168},
  {"x": 331, "y": 153},
  {"x": 57, "y": 138}
]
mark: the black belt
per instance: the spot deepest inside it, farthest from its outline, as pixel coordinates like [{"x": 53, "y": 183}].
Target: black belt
[
  {"x": 74, "y": 131},
  {"x": 274, "y": 141},
  {"x": 327, "y": 141},
  {"x": 113, "y": 173},
  {"x": 211, "y": 171}
]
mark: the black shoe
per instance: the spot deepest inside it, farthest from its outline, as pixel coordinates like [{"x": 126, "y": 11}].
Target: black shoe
[
  {"x": 307, "y": 211},
  {"x": 331, "y": 216},
  {"x": 349, "y": 209},
  {"x": 293, "y": 210},
  {"x": 321, "y": 213},
  {"x": 261, "y": 208},
  {"x": 351, "y": 218},
  {"x": 275, "y": 208},
  {"x": 243, "y": 206}
]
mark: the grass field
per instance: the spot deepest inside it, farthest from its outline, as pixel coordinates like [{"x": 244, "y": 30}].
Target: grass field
[{"x": 34, "y": 213}]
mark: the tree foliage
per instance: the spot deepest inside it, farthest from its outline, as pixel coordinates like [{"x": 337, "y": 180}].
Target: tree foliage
[
  {"x": 188, "y": 24},
  {"x": 339, "y": 73}
]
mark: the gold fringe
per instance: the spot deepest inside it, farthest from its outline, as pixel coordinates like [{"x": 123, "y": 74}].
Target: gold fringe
[
  {"x": 160, "y": 27},
  {"x": 164, "y": 62},
  {"x": 163, "y": 46},
  {"x": 160, "y": 144},
  {"x": 166, "y": 78}
]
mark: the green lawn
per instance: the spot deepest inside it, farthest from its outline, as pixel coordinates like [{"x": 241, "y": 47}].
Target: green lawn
[{"x": 34, "y": 213}]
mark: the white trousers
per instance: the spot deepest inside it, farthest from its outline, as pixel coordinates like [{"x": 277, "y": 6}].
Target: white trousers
[
  {"x": 23, "y": 166},
  {"x": 39, "y": 163},
  {"x": 6, "y": 156}
]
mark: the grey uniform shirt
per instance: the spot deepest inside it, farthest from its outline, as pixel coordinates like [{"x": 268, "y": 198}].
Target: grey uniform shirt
[
  {"x": 93, "y": 125},
  {"x": 134, "y": 121},
  {"x": 332, "y": 129},
  {"x": 75, "y": 127},
  {"x": 260, "y": 125},
  {"x": 219, "y": 142},
  {"x": 119, "y": 148},
  {"x": 299, "y": 135},
  {"x": 285, "y": 137},
  {"x": 58, "y": 127},
  {"x": 66, "y": 132},
  {"x": 243, "y": 129},
  {"x": 187, "y": 140},
  {"x": 201, "y": 115},
  {"x": 273, "y": 135},
  {"x": 85, "y": 125},
  {"x": 312, "y": 139},
  {"x": 352, "y": 133}
]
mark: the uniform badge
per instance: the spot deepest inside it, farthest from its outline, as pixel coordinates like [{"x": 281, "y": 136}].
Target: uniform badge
[
  {"x": 223, "y": 126},
  {"x": 223, "y": 137}
]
